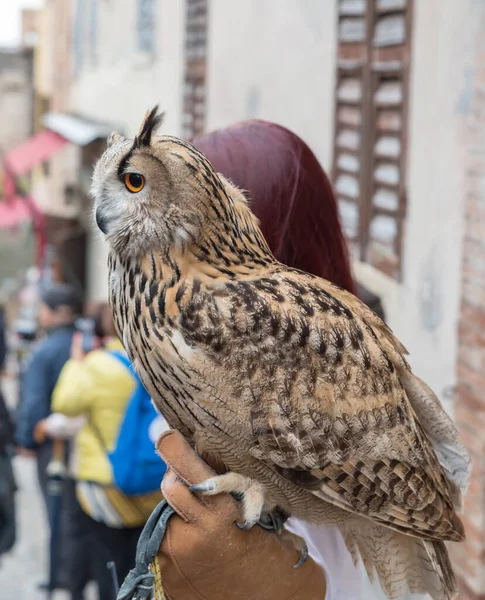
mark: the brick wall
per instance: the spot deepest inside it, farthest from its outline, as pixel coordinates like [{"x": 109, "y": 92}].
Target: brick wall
[{"x": 469, "y": 558}]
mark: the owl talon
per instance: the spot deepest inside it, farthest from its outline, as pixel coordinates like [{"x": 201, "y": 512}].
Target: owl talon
[
  {"x": 246, "y": 526},
  {"x": 298, "y": 544},
  {"x": 249, "y": 491},
  {"x": 206, "y": 486},
  {"x": 273, "y": 521},
  {"x": 303, "y": 557}
]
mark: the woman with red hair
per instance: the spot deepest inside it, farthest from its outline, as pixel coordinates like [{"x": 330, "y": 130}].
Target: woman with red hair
[
  {"x": 294, "y": 201},
  {"x": 288, "y": 191},
  {"x": 291, "y": 195}
]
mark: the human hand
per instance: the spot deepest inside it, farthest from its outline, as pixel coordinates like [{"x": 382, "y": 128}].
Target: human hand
[
  {"x": 77, "y": 352},
  {"x": 40, "y": 432},
  {"x": 204, "y": 554}
]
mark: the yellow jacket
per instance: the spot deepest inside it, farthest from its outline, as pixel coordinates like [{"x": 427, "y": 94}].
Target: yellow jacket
[{"x": 98, "y": 387}]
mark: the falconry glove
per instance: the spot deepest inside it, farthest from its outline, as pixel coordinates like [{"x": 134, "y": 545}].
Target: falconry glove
[{"x": 204, "y": 554}]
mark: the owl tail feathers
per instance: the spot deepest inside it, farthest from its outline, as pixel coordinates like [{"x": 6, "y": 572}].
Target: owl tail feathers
[
  {"x": 401, "y": 563},
  {"x": 442, "y": 432}
]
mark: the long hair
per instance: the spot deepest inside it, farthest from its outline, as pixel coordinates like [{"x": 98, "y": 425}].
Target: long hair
[{"x": 288, "y": 191}]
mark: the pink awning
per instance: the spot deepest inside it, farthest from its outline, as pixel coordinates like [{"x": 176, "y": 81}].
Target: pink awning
[{"x": 33, "y": 152}]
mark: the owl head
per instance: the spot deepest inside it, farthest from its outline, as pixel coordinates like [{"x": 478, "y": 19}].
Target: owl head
[{"x": 153, "y": 192}]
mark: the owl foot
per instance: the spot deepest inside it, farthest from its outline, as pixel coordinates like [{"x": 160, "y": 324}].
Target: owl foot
[
  {"x": 298, "y": 543},
  {"x": 273, "y": 520},
  {"x": 251, "y": 492}
]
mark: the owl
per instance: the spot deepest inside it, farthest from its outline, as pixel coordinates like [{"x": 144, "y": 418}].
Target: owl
[{"x": 298, "y": 389}]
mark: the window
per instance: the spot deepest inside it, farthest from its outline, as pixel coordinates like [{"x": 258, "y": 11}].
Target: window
[
  {"x": 146, "y": 26},
  {"x": 93, "y": 30},
  {"x": 31, "y": 37},
  {"x": 78, "y": 36},
  {"x": 370, "y": 127},
  {"x": 194, "y": 105}
]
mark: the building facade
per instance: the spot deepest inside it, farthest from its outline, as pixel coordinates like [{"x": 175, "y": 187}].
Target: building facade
[
  {"x": 16, "y": 97},
  {"x": 209, "y": 64}
]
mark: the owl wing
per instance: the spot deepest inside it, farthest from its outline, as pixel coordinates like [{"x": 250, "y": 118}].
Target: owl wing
[{"x": 329, "y": 410}]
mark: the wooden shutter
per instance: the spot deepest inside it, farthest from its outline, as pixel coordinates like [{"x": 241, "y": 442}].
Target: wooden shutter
[
  {"x": 194, "y": 105},
  {"x": 370, "y": 127}
]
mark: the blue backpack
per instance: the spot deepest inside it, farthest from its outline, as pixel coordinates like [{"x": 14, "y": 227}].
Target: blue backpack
[{"x": 137, "y": 468}]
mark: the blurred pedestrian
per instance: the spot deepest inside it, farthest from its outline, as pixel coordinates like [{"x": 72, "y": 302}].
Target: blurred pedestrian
[
  {"x": 3, "y": 340},
  {"x": 60, "y": 303},
  {"x": 77, "y": 561},
  {"x": 99, "y": 386},
  {"x": 7, "y": 482},
  {"x": 60, "y": 427}
]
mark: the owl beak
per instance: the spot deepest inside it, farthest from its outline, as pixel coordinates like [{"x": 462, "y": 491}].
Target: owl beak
[{"x": 101, "y": 222}]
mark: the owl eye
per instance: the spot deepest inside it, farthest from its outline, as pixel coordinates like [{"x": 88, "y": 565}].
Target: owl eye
[{"x": 134, "y": 182}]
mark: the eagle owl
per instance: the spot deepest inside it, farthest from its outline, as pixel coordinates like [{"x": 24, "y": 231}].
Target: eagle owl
[{"x": 295, "y": 386}]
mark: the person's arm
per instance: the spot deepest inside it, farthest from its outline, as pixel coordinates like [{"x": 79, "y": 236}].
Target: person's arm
[
  {"x": 58, "y": 426},
  {"x": 36, "y": 396},
  {"x": 203, "y": 554},
  {"x": 75, "y": 389}
]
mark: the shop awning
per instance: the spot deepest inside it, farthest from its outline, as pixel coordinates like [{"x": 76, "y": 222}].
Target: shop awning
[
  {"x": 79, "y": 129},
  {"x": 61, "y": 128},
  {"x": 33, "y": 152}
]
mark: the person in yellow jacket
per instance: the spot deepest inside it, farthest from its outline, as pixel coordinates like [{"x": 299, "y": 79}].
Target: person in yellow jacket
[{"x": 98, "y": 386}]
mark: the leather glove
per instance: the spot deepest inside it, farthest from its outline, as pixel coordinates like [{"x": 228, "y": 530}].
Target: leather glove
[{"x": 204, "y": 556}]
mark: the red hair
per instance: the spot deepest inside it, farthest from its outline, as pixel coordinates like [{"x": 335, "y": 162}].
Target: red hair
[{"x": 288, "y": 191}]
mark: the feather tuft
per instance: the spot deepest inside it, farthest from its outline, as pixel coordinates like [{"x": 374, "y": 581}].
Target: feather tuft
[{"x": 152, "y": 121}]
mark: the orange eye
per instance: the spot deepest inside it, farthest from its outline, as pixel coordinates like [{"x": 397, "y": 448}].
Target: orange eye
[{"x": 134, "y": 182}]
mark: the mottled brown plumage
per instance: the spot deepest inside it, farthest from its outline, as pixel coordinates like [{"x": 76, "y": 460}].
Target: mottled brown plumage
[{"x": 282, "y": 377}]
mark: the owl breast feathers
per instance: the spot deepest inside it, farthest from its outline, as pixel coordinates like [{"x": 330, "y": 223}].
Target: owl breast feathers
[{"x": 289, "y": 382}]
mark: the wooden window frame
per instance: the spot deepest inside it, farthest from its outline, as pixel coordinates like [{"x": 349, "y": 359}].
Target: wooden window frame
[
  {"x": 146, "y": 26},
  {"x": 195, "y": 88},
  {"x": 371, "y": 65}
]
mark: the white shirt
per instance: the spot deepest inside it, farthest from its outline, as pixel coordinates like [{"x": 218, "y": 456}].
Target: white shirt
[
  {"x": 345, "y": 581},
  {"x": 327, "y": 548}
]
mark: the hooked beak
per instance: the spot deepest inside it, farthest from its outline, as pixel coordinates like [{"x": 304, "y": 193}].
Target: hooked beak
[{"x": 101, "y": 222}]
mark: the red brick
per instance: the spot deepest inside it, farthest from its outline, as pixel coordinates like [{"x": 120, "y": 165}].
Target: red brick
[
  {"x": 469, "y": 399},
  {"x": 466, "y": 593},
  {"x": 472, "y": 381},
  {"x": 472, "y": 317}
]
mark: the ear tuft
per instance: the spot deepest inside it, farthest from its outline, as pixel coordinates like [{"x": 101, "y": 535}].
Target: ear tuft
[{"x": 152, "y": 121}]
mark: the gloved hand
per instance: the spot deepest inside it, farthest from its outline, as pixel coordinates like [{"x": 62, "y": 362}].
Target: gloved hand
[{"x": 204, "y": 556}]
